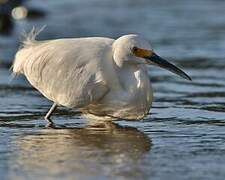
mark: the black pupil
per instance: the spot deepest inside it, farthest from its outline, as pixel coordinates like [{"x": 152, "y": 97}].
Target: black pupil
[{"x": 135, "y": 49}]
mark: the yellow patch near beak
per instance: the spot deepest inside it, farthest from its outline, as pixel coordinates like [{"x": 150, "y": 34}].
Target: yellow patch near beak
[{"x": 142, "y": 52}]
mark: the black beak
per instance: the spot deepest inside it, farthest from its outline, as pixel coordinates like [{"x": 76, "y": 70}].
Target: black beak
[{"x": 157, "y": 60}]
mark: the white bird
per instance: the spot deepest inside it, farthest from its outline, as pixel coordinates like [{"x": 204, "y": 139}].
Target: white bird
[{"x": 102, "y": 77}]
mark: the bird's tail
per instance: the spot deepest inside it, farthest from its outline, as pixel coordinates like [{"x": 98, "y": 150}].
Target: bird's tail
[{"x": 28, "y": 40}]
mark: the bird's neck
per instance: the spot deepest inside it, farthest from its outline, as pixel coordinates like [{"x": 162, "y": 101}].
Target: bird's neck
[{"x": 128, "y": 76}]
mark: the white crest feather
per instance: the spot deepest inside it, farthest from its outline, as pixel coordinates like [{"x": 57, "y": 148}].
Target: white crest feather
[{"x": 29, "y": 39}]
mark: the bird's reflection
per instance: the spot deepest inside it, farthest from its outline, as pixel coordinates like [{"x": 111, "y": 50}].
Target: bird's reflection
[{"x": 90, "y": 151}]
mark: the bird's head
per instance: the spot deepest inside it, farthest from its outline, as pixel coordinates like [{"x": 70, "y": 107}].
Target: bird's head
[{"x": 134, "y": 49}]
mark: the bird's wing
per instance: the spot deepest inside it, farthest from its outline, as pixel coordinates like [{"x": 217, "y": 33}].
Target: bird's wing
[{"x": 68, "y": 72}]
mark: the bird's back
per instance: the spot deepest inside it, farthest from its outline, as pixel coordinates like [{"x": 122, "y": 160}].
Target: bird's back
[{"x": 66, "y": 71}]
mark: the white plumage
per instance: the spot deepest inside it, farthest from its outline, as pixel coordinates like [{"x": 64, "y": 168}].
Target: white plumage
[{"x": 103, "y": 77}]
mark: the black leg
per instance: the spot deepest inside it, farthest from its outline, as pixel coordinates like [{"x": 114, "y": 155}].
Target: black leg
[{"x": 48, "y": 115}]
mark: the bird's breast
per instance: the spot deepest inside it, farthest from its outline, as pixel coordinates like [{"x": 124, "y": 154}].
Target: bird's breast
[
  {"x": 131, "y": 100},
  {"x": 137, "y": 95}
]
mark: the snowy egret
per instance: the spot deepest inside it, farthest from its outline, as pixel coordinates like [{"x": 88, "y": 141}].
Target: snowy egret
[{"x": 102, "y": 77}]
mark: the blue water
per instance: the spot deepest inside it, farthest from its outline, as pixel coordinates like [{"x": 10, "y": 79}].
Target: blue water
[{"x": 183, "y": 137}]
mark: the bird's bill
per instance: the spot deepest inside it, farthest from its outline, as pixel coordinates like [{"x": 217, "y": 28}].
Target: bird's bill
[{"x": 157, "y": 60}]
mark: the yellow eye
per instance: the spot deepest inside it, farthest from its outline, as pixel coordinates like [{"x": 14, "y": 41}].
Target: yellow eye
[{"x": 142, "y": 52}]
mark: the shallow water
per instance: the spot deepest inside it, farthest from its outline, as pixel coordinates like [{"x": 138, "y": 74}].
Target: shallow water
[{"x": 183, "y": 137}]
